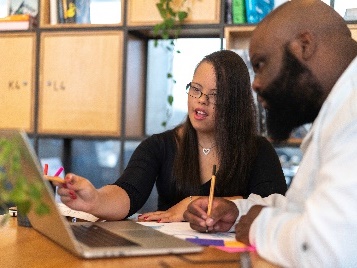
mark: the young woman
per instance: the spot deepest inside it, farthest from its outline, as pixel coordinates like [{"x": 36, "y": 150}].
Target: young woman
[{"x": 220, "y": 130}]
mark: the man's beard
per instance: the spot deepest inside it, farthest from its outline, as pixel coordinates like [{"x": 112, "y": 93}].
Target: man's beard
[{"x": 294, "y": 98}]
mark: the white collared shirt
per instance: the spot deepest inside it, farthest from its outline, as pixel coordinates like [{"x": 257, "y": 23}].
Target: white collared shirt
[{"x": 315, "y": 225}]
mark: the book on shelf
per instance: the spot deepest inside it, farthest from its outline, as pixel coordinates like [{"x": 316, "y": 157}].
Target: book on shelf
[
  {"x": 4, "y": 8},
  {"x": 256, "y": 10},
  {"x": 53, "y": 12},
  {"x": 17, "y": 22},
  {"x": 66, "y": 11},
  {"x": 228, "y": 12},
  {"x": 24, "y": 7},
  {"x": 238, "y": 12},
  {"x": 70, "y": 11},
  {"x": 83, "y": 11}
]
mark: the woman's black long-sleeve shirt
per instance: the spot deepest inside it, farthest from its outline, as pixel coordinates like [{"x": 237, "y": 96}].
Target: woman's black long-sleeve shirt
[{"x": 152, "y": 162}]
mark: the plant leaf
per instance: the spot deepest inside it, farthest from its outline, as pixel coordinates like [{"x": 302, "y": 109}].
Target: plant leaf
[{"x": 182, "y": 15}]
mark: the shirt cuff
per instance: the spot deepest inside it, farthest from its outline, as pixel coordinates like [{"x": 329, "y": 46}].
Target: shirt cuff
[
  {"x": 238, "y": 203},
  {"x": 244, "y": 205}
]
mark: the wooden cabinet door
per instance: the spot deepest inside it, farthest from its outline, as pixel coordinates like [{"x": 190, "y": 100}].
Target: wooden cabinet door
[
  {"x": 17, "y": 69},
  {"x": 81, "y": 83},
  {"x": 144, "y": 12}
]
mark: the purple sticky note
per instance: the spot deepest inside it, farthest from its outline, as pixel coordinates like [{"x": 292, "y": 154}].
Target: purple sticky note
[{"x": 206, "y": 242}]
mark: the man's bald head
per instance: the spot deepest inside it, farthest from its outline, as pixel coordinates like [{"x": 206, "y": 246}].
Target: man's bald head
[
  {"x": 297, "y": 16},
  {"x": 298, "y": 52},
  {"x": 314, "y": 32}
]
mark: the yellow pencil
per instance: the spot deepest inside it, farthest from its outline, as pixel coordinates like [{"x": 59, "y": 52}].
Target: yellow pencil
[{"x": 211, "y": 192}]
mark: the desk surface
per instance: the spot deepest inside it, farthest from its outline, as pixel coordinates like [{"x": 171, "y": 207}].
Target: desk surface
[{"x": 24, "y": 247}]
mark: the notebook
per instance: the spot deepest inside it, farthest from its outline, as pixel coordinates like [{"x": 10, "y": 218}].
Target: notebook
[{"x": 130, "y": 238}]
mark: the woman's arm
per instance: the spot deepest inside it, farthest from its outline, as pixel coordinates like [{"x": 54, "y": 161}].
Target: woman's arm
[
  {"x": 146, "y": 165},
  {"x": 175, "y": 213},
  {"x": 109, "y": 202}
]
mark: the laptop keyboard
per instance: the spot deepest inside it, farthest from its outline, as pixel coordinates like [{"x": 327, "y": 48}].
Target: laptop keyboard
[{"x": 95, "y": 236}]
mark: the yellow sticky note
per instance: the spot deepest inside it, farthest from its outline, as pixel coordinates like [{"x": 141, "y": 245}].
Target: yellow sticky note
[{"x": 236, "y": 244}]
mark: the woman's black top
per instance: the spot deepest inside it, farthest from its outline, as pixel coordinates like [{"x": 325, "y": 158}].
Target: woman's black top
[{"x": 152, "y": 162}]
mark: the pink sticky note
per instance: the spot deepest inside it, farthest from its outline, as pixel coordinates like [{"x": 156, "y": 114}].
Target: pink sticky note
[{"x": 236, "y": 249}]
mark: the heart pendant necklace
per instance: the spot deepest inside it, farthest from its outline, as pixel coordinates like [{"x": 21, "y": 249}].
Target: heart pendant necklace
[{"x": 206, "y": 151}]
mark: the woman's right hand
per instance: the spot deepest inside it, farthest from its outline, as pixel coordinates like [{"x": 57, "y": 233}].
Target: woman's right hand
[
  {"x": 77, "y": 192},
  {"x": 223, "y": 216}
]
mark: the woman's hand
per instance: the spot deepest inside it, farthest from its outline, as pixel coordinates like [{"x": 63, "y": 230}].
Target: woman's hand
[
  {"x": 223, "y": 216},
  {"x": 173, "y": 214},
  {"x": 77, "y": 193}
]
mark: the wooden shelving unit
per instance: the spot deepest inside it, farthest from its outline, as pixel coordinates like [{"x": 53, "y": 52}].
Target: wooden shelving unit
[{"x": 88, "y": 81}]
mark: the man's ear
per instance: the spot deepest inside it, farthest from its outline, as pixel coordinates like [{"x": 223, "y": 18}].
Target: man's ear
[{"x": 303, "y": 46}]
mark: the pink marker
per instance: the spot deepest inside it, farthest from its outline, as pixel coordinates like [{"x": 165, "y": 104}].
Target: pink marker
[{"x": 58, "y": 172}]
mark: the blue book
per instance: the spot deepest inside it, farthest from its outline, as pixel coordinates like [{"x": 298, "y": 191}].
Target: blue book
[
  {"x": 256, "y": 10},
  {"x": 60, "y": 11},
  {"x": 83, "y": 11}
]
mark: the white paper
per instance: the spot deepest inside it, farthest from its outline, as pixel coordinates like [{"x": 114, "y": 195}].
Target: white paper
[
  {"x": 68, "y": 212},
  {"x": 183, "y": 230}
]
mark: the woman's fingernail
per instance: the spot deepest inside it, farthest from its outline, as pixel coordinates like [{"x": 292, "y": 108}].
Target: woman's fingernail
[{"x": 209, "y": 221}]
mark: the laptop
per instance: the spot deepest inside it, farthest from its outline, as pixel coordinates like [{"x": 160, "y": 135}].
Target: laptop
[{"x": 115, "y": 238}]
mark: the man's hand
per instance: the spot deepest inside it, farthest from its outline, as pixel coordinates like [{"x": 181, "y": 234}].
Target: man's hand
[
  {"x": 243, "y": 226},
  {"x": 223, "y": 215}
]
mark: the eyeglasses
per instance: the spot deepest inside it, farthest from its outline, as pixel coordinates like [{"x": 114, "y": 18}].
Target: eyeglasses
[{"x": 194, "y": 91}]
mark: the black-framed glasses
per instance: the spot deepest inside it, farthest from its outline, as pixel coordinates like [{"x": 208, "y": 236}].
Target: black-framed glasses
[{"x": 194, "y": 91}]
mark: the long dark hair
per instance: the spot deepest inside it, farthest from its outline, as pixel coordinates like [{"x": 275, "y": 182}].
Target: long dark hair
[{"x": 235, "y": 131}]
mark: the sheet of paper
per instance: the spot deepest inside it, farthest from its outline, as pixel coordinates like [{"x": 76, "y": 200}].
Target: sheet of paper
[
  {"x": 222, "y": 241},
  {"x": 183, "y": 230},
  {"x": 66, "y": 211}
]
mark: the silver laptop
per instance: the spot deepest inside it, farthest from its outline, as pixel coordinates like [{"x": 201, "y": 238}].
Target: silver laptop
[{"x": 116, "y": 238}]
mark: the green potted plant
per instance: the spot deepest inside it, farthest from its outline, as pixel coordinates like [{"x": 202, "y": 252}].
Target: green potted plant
[
  {"x": 15, "y": 189},
  {"x": 169, "y": 29}
]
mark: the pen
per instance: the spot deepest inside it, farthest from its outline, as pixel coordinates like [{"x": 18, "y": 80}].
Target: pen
[{"x": 211, "y": 192}]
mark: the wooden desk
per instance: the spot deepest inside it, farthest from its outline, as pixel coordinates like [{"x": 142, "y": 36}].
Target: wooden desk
[{"x": 25, "y": 247}]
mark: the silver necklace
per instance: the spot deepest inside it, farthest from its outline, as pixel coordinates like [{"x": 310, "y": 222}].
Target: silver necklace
[{"x": 206, "y": 151}]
